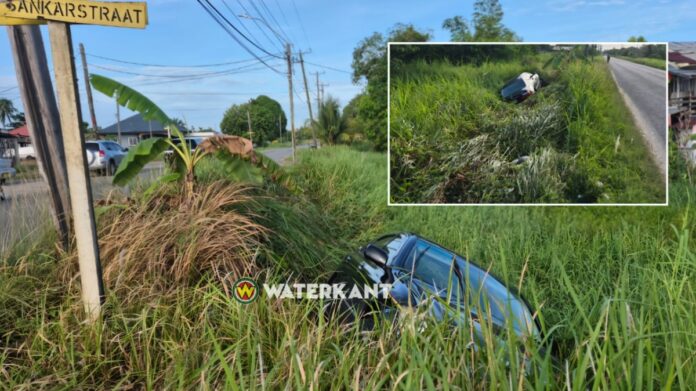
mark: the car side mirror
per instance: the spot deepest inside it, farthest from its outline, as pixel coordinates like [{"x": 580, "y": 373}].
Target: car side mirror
[{"x": 376, "y": 255}]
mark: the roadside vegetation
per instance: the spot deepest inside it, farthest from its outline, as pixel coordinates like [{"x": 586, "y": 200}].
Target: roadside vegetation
[
  {"x": 454, "y": 140},
  {"x": 651, "y": 62},
  {"x": 647, "y": 54},
  {"x": 614, "y": 288}
]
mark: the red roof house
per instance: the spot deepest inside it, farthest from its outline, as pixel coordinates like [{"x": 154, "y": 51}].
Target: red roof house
[{"x": 22, "y": 131}]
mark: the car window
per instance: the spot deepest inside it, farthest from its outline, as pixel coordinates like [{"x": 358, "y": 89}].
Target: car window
[
  {"x": 433, "y": 266},
  {"x": 485, "y": 291},
  {"x": 92, "y": 147},
  {"x": 391, "y": 244},
  {"x": 514, "y": 87}
]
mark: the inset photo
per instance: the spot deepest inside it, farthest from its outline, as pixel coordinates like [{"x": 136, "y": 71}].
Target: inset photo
[{"x": 528, "y": 124}]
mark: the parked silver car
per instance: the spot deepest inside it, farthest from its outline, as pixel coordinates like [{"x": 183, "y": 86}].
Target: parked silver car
[{"x": 104, "y": 155}]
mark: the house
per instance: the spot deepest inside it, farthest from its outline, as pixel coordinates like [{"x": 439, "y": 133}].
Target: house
[
  {"x": 17, "y": 144},
  {"x": 682, "y": 96},
  {"x": 682, "y": 54},
  {"x": 132, "y": 130}
]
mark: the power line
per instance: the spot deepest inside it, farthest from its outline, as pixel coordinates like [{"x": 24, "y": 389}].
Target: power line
[
  {"x": 189, "y": 93},
  {"x": 179, "y": 76},
  {"x": 237, "y": 30},
  {"x": 175, "y": 66},
  {"x": 8, "y": 89},
  {"x": 244, "y": 25},
  {"x": 282, "y": 14},
  {"x": 219, "y": 21},
  {"x": 257, "y": 68},
  {"x": 272, "y": 16},
  {"x": 329, "y": 68},
  {"x": 304, "y": 32},
  {"x": 280, "y": 36}
]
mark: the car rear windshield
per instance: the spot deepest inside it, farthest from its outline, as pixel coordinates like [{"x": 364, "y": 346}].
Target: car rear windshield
[
  {"x": 514, "y": 88},
  {"x": 92, "y": 147}
]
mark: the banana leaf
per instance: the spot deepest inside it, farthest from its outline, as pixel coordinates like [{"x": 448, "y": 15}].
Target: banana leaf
[
  {"x": 130, "y": 98},
  {"x": 138, "y": 156}
]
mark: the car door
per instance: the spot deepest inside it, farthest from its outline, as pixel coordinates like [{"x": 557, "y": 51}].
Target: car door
[{"x": 117, "y": 152}]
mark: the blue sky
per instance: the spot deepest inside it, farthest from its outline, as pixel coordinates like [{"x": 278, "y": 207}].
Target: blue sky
[{"x": 182, "y": 33}]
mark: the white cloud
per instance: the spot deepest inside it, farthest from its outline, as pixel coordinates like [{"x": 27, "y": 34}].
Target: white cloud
[{"x": 570, "y": 5}]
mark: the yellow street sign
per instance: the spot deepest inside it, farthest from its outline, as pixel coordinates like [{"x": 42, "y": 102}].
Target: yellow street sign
[
  {"x": 5, "y": 21},
  {"x": 117, "y": 14}
]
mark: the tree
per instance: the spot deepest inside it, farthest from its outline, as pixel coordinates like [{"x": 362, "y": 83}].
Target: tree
[
  {"x": 370, "y": 63},
  {"x": 237, "y": 153},
  {"x": 330, "y": 123},
  {"x": 7, "y": 111},
  {"x": 264, "y": 113},
  {"x": 180, "y": 123},
  {"x": 487, "y": 23},
  {"x": 18, "y": 120},
  {"x": 353, "y": 120},
  {"x": 639, "y": 38}
]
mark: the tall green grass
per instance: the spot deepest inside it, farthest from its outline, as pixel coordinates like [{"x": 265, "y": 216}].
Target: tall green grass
[
  {"x": 614, "y": 287},
  {"x": 651, "y": 62},
  {"x": 440, "y": 113}
]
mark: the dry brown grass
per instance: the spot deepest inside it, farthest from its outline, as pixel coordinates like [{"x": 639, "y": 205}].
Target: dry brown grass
[{"x": 166, "y": 241}]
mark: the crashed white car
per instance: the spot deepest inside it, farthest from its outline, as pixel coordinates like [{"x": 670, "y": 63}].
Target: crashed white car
[{"x": 521, "y": 87}]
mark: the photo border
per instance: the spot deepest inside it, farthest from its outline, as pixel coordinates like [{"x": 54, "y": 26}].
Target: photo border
[{"x": 666, "y": 203}]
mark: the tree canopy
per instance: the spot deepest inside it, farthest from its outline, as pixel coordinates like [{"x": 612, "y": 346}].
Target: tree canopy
[
  {"x": 370, "y": 63},
  {"x": 330, "y": 123},
  {"x": 487, "y": 24},
  {"x": 7, "y": 112},
  {"x": 264, "y": 113}
]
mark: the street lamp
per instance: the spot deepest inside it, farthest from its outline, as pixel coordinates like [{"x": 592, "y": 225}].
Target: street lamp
[{"x": 279, "y": 36}]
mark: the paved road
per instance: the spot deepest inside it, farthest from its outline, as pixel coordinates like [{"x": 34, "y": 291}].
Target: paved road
[
  {"x": 644, "y": 89},
  {"x": 102, "y": 185},
  {"x": 27, "y": 206},
  {"x": 282, "y": 156}
]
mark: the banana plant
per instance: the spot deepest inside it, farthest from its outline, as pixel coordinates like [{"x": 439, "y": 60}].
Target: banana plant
[{"x": 149, "y": 149}]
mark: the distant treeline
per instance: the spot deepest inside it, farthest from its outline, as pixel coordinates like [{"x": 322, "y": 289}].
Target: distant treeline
[
  {"x": 648, "y": 51},
  {"x": 472, "y": 54}
]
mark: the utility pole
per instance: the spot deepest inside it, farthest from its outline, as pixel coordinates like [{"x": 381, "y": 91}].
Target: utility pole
[
  {"x": 43, "y": 120},
  {"x": 88, "y": 87},
  {"x": 280, "y": 129},
  {"x": 288, "y": 54},
  {"x": 318, "y": 93},
  {"x": 309, "y": 102},
  {"x": 251, "y": 133},
  {"x": 118, "y": 119}
]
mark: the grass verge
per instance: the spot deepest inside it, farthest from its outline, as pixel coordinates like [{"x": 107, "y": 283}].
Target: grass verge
[
  {"x": 615, "y": 288},
  {"x": 651, "y": 62},
  {"x": 453, "y": 140}
]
